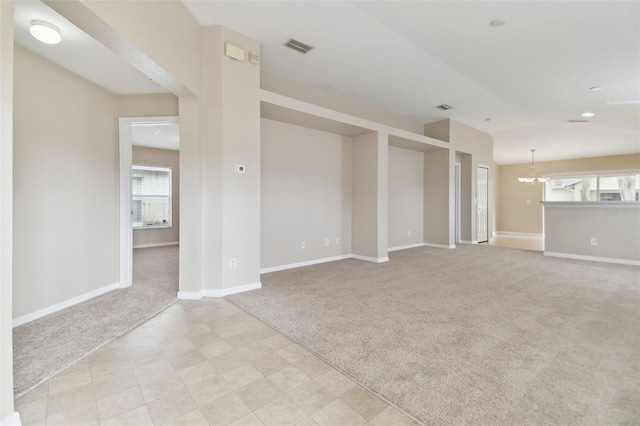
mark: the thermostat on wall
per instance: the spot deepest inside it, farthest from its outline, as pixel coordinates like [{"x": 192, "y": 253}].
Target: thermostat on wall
[{"x": 239, "y": 169}]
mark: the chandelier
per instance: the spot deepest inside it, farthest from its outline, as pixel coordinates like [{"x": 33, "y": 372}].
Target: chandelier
[{"x": 532, "y": 179}]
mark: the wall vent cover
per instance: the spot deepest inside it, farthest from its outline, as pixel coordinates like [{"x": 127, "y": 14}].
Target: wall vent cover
[
  {"x": 444, "y": 107},
  {"x": 578, "y": 121},
  {"x": 298, "y": 46}
]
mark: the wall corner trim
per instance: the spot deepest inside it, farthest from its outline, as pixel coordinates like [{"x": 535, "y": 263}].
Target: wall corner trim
[
  {"x": 62, "y": 305},
  {"x": 441, "y": 246},
  {"x": 12, "y": 419},
  {"x": 593, "y": 258},
  {"x": 230, "y": 290},
  {"x": 370, "y": 259},
  {"x": 189, "y": 295}
]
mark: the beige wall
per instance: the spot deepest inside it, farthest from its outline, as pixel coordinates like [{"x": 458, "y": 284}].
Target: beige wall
[
  {"x": 65, "y": 188},
  {"x": 569, "y": 228},
  {"x": 66, "y": 181},
  {"x": 160, "y": 158},
  {"x": 306, "y": 194},
  {"x": 519, "y": 205},
  {"x": 6, "y": 213},
  {"x": 478, "y": 146},
  {"x": 406, "y": 193},
  {"x": 437, "y": 214}
]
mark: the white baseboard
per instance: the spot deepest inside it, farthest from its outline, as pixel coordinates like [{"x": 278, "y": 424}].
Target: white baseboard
[
  {"x": 370, "y": 259},
  {"x": 474, "y": 242},
  {"x": 519, "y": 234},
  {"x": 175, "y": 243},
  {"x": 396, "y": 248},
  {"x": 12, "y": 419},
  {"x": 306, "y": 263},
  {"x": 593, "y": 258},
  {"x": 196, "y": 295},
  {"x": 62, "y": 305},
  {"x": 189, "y": 295},
  {"x": 442, "y": 246}
]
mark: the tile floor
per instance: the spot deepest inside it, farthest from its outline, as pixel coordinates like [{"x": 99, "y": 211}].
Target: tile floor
[
  {"x": 521, "y": 242},
  {"x": 204, "y": 362}
]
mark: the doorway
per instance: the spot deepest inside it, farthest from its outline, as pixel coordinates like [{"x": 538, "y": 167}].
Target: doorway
[
  {"x": 482, "y": 218},
  {"x": 149, "y": 210}
]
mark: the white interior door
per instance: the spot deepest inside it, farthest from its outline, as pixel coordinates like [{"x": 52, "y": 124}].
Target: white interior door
[{"x": 482, "y": 222}]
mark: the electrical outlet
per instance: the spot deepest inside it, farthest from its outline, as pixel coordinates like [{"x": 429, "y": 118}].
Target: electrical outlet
[
  {"x": 337, "y": 241},
  {"x": 594, "y": 241},
  {"x": 302, "y": 245},
  {"x": 232, "y": 263},
  {"x": 326, "y": 242}
]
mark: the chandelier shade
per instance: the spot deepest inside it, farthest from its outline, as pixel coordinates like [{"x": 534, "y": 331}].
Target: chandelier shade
[{"x": 532, "y": 179}]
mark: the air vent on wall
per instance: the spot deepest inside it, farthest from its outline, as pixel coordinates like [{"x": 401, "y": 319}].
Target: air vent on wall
[
  {"x": 578, "y": 121},
  {"x": 444, "y": 107},
  {"x": 298, "y": 46}
]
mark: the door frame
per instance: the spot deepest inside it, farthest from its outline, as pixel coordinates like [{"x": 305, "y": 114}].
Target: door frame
[
  {"x": 458, "y": 191},
  {"x": 124, "y": 185},
  {"x": 488, "y": 203}
]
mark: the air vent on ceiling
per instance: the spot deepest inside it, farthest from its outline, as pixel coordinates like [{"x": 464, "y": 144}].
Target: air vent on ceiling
[
  {"x": 298, "y": 46},
  {"x": 444, "y": 107},
  {"x": 578, "y": 121}
]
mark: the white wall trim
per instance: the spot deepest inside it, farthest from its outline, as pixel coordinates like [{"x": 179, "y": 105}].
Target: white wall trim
[
  {"x": 442, "y": 246},
  {"x": 305, "y": 263},
  {"x": 593, "y": 258},
  {"x": 465, "y": 242},
  {"x": 175, "y": 243},
  {"x": 520, "y": 234},
  {"x": 62, "y": 305},
  {"x": 396, "y": 248},
  {"x": 231, "y": 290},
  {"x": 370, "y": 259},
  {"x": 189, "y": 295},
  {"x": 12, "y": 419},
  {"x": 474, "y": 242}
]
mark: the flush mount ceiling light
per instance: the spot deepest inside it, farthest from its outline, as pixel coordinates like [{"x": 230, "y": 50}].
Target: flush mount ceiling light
[
  {"x": 497, "y": 23},
  {"x": 45, "y": 32},
  {"x": 587, "y": 114},
  {"x": 532, "y": 179}
]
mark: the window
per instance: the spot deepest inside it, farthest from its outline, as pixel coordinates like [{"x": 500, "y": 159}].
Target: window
[
  {"x": 605, "y": 187},
  {"x": 151, "y": 197}
]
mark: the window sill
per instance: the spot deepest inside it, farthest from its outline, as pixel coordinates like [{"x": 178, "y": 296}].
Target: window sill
[{"x": 136, "y": 228}]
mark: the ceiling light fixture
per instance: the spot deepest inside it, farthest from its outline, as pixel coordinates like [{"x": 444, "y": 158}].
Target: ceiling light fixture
[
  {"x": 45, "y": 32},
  {"x": 587, "y": 114},
  {"x": 497, "y": 23},
  {"x": 532, "y": 179}
]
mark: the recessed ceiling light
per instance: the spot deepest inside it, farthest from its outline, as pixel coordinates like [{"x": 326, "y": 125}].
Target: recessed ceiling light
[
  {"x": 45, "y": 32},
  {"x": 595, "y": 88},
  {"x": 497, "y": 23},
  {"x": 587, "y": 114}
]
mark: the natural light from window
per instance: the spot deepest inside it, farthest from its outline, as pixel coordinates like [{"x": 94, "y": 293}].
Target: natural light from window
[
  {"x": 151, "y": 197},
  {"x": 601, "y": 187}
]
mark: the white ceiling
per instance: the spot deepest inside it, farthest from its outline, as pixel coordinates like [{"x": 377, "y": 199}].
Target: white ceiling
[
  {"x": 529, "y": 76},
  {"x": 162, "y": 134},
  {"x": 79, "y": 53}
]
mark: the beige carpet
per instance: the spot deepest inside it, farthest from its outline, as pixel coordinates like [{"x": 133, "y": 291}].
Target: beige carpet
[
  {"x": 46, "y": 346},
  {"x": 475, "y": 335}
]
